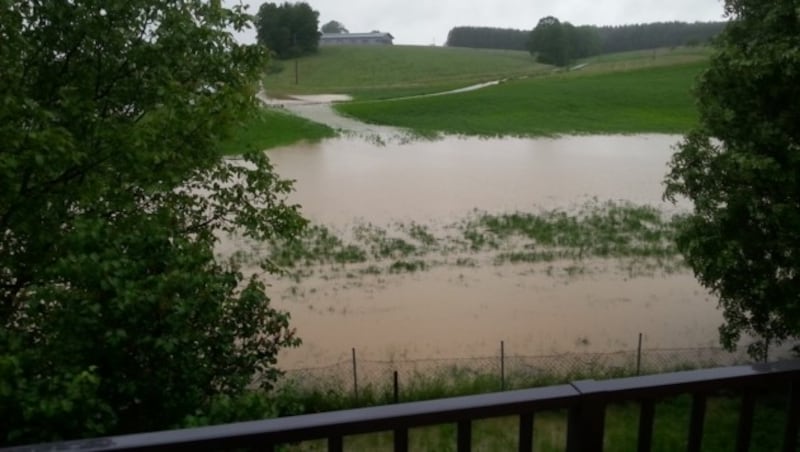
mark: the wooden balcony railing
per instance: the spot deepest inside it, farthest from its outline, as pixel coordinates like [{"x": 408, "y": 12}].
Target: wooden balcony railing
[{"x": 585, "y": 401}]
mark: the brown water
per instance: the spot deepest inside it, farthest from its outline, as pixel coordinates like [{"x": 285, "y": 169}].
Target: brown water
[
  {"x": 452, "y": 311},
  {"x": 343, "y": 179}
]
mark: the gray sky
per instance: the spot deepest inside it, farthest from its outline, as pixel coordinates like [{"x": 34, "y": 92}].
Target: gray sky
[{"x": 426, "y": 22}]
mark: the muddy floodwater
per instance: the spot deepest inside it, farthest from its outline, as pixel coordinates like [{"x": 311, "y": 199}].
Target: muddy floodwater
[
  {"x": 451, "y": 310},
  {"x": 345, "y": 179}
]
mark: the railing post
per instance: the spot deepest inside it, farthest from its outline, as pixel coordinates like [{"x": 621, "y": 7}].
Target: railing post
[
  {"x": 746, "y": 411},
  {"x": 335, "y": 444},
  {"x": 696, "y": 422},
  {"x": 792, "y": 418},
  {"x": 647, "y": 413},
  {"x": 585, "y": 425},
  {"x": 401, "y": 440},
  {"x": 526, "y": 432},
  {"x": 464, "y": 436}
]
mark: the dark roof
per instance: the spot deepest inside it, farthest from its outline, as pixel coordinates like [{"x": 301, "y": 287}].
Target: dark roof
[{"x": 356, "y": 35}]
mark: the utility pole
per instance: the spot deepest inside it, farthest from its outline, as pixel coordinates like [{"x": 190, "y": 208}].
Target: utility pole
[{"x": 296, "y": 62}]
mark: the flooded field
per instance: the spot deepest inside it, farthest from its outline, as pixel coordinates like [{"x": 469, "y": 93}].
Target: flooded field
[
  {"x": 458, "y": 300},
  {"x": 345, "y": 179},
  {"x": 449, "y": 312}
]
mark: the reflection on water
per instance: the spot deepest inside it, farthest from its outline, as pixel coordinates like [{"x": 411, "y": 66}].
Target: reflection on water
[{"x": 450, "y": 311}]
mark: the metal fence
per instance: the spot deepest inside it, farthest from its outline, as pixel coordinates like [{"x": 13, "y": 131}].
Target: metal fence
[{"x": 395, "y": 378}]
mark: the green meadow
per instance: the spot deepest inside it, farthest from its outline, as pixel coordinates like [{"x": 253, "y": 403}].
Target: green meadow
[
  {"x": 639, "y": 59},
  {"x": 271, "y": 128},
  {"x": 632, "y": 92},
  {"x": 642, "y": 99},
  {"x": 380, "y": 72}
]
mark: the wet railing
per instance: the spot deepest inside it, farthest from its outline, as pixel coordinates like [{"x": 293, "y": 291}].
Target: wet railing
[{"x": 585, "y": 401}]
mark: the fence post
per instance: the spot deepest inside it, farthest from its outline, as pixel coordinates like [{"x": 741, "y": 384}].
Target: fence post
[
  {"x": 355, "y": 376},
  {"x": 639, "y": 357},
  {"x": 502, "y": 365},
  {"x": 396, "y": 388}
]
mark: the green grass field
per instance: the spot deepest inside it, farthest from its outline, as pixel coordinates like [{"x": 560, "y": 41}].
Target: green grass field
[
  {"x": 273, "y": 128},
  {"x": 639, "y": 98},
  {"x": 393, "y": 71},
  {"x": 632, "y": 92}
]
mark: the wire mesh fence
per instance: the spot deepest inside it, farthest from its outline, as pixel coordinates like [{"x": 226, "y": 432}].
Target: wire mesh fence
[{"x": 395, "y": 380}]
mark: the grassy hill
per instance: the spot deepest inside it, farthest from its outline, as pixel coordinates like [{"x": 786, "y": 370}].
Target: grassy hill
[
  {"x": 379, "y": 72},
  {"x": 624, "y": 61},
  {"x": 632, "y": 92},
  {"x": 642, "y": 98}
]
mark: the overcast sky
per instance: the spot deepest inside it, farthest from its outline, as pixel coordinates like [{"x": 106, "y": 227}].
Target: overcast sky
[{"x": 426, "y": 22}]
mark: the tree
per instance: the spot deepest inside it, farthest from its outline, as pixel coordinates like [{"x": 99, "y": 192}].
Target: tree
[
  {"x": 115, "y": 315},
  {"x": 549, "y": 42},
  {"x": 740, "y": 168},
  {"x": 488, "y": 38},
  {"x": 623, "y": 38},
  {"x": 334, "y": 27},
  {"x": 584, "y": 41},
  {"x": 560, "y": 43},
  {"x": 289, "y": 30}
]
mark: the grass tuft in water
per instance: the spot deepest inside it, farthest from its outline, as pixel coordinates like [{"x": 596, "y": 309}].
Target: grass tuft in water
[
  {"x": 407, "y": 266},
  {"x": 640, "y": 236}
]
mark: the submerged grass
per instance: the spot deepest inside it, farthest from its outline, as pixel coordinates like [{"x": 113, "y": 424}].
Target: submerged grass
[
  {"x": 648, "y": 100},
  {"x": 607, "y": 230},
  {"x": 316, "y": 245},
  {"x": 271, "y": 128},
  {"x": 641, "y": 238}
]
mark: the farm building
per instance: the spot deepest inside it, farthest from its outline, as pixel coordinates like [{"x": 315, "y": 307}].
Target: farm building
[{"x": 373, "y": 38}]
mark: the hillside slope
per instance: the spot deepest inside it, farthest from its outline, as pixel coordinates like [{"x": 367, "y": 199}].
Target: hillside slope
[
  {"x": 379, "y": 72},
  {"x": 644, "y": 99}
]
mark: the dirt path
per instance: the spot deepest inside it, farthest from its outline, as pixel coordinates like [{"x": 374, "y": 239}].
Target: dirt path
[{"x": 319, "y": 108}]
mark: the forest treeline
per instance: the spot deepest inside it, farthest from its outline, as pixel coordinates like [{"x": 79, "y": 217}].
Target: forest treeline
[
  {"x": 609, "y": 39},
  {"x": 488, "y": 38}
]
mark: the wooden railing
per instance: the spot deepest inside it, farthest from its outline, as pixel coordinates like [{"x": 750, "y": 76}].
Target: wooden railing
[{"x": 585, "y": 401}]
